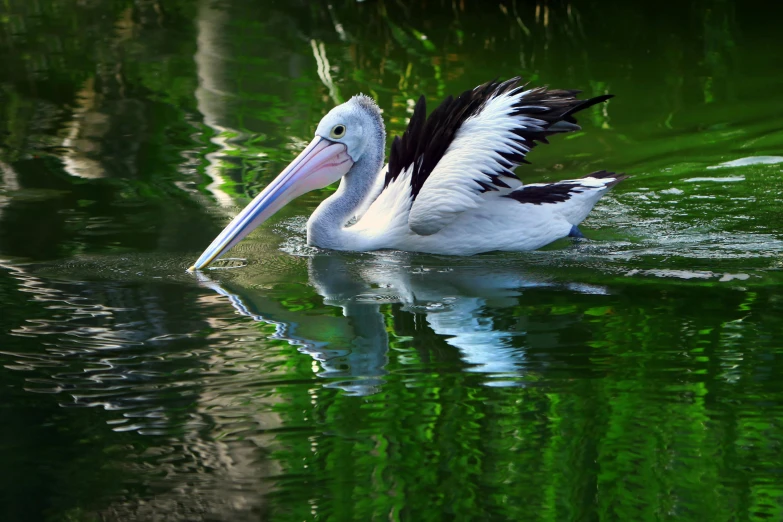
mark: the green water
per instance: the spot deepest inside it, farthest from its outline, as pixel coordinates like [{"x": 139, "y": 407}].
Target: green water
[{"x": 634, "y": 376}]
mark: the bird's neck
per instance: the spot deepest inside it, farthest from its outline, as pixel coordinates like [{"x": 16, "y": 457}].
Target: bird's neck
[{"x": 326, "y": 227}]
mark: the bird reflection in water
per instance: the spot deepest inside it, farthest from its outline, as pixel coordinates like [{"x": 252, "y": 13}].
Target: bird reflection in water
[{"x": 455, "y": 303}]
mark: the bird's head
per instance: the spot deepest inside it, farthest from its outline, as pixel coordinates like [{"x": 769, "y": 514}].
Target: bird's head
[
  {"x": 340, "y": 141},
  {"x": 352, "y": 124}
]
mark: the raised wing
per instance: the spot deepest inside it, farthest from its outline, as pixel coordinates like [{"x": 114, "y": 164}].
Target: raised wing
[{"x": 470, "y": 145}]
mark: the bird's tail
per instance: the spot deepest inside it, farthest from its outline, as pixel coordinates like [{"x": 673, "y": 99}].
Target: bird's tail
[
  {"x": 587, "y": 191},
  {"x": 574, "y": 197}
]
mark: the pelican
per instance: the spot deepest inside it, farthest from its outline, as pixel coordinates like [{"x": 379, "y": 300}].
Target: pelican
[{"x": 449, "y": 186}]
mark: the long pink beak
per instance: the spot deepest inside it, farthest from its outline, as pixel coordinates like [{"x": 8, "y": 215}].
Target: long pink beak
[{"x": 322, "y": 163}]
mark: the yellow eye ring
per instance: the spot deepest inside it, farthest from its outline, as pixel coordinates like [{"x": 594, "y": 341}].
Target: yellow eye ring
[{"x": 338, "y": 131}]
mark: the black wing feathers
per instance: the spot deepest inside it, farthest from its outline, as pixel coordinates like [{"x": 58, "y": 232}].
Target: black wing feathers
[
  {"x": 541, "y": 113},
  {"x": 426, "y": 140},
  {"x": 538, "y": 194},
  {"x": 561, "y": 191}
]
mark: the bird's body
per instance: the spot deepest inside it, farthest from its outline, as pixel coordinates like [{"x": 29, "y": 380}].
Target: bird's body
[
  {"x": 449, "y": 186},
  {"x": 501, "y": 223}
]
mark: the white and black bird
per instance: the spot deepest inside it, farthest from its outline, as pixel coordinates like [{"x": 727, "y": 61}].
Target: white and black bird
[{"x": 449, "y": 186}]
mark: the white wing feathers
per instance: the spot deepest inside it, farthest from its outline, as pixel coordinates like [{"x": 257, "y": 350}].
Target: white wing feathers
[{"x": 474, "y": 153}]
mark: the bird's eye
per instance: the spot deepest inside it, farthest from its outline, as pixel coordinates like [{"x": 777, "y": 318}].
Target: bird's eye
[{"x": 338, "y": 131}]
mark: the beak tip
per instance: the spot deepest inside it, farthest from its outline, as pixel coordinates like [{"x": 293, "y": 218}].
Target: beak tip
[{"x": 192, "y": 269}]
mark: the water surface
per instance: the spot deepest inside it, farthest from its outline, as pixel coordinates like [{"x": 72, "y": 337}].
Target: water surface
[{"x": 631, "y": 376}]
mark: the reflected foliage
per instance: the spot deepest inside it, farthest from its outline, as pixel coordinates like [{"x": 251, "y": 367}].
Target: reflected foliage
[{"x": 631, "y": 377}]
